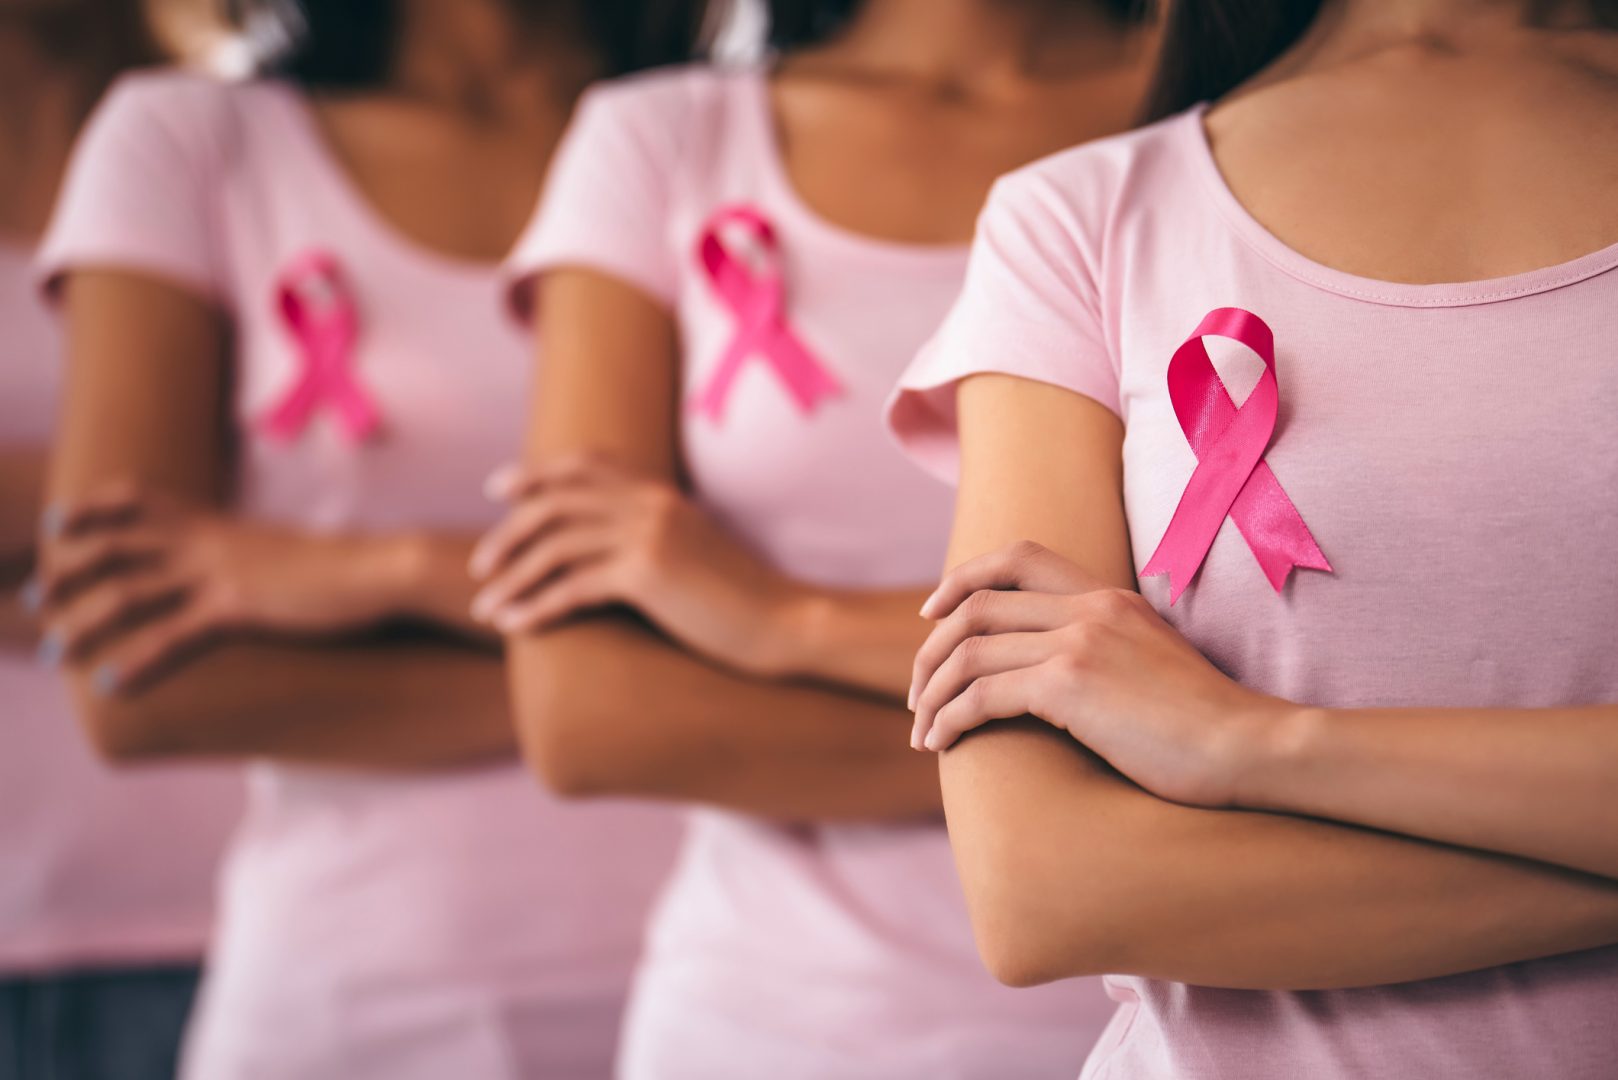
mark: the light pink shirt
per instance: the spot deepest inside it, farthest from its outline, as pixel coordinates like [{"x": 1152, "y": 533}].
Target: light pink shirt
[
  {"x": 96, "y": 869},
  {"x": 454, "y": 924},
  {"x": 808, "y": 951},
  {"x": 1452, "y": 449}
]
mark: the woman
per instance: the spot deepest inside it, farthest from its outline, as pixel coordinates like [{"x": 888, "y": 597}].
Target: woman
[
  {"x": 105, "y": 881},
  {"x": 730, "y": 270},
  {"x": 1365, "y": 726},
  {"x": 288, "y": 376}
]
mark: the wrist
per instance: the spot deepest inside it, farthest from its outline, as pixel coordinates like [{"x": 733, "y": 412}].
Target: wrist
[
  {"x": 1279, "y": 739},
  {"x": 382, "y": 572},
  {"x": 795, "y": 626}
]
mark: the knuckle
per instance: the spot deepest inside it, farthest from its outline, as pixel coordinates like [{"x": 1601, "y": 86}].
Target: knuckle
[{"x": 1024, "y": 550}]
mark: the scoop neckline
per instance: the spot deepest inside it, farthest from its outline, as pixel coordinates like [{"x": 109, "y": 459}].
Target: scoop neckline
[
  {"x": 1373, "y": 290},
  {"x": 760, "y": 110},
  {"x": 316, "y": 148}
]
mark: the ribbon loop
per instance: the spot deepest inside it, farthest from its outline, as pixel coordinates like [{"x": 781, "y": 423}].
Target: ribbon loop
[
  {"x": 319, "y": 312},
  {"x": 1231, "y": 479},
  {"x": 756, "y": 298}
]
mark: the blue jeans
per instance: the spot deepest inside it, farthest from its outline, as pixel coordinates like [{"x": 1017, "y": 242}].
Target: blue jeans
[{"x": 94, "y": 1025}]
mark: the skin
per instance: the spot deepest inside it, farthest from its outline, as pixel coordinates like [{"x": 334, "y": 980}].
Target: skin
[
  {"x": 1428, "y": 808},
  {"x": 895, "y": 129},
  {"x": 188, "y": 631},
  {"x": 44, "y": 96}
]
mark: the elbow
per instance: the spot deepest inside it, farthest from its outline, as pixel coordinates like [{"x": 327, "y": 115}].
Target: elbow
[
  {"x": 564, "y": 725},
  {"x": 1023, "y": 944},
  {"x": 121, "y": 732}
]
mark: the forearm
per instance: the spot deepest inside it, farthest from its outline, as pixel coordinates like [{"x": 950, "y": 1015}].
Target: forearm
[
  {"x": 606, "y": 707},
  {"x": 863, "y": 639},
  {"x": 1069, "y": 870},
  {"x": 386, "y": 705},
  {"x": 1537, "y": 783},
  {"x": 433, "y": 583}
]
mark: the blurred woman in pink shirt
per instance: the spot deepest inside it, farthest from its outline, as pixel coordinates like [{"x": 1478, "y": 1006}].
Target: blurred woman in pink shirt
[
  {"x": 106, "y": 880},
  {"x": 714, "y": 560},
  {"x": 289, "y": 372},
  {"x": 1288, "y": 491}
]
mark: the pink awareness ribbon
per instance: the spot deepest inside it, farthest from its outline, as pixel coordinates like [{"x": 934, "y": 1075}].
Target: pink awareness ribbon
[
  {"x": 319, "y": 312},
  {"x": 757, "y": 299},
  {"x": 1231, "y": 477}
]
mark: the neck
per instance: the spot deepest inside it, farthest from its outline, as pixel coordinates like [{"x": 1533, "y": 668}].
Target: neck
[
  {"x": 1357, "y": 26},
  {"x": 478, "y": 56},
  {"x": 983, "y": 45}
]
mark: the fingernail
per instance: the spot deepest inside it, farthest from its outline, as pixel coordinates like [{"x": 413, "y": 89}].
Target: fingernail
[
  {"x": 51, "y": 649},
  {"x": 105, "y": 680},
  {"x": 500, "y": 482},
  {"x": 483, "y": 607},
  {"x": 51, "y": 520},
  {"x": 31, "y": 596},
  {"x": 910, "y": 699},
  {"x": 507, "y": 624}
]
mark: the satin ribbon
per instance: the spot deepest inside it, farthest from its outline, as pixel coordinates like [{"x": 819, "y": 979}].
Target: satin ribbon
[
  {"x": 757, "y": 300},
  {"x": 1231, "y": 479},
  {"x": 319, "y": 312}
]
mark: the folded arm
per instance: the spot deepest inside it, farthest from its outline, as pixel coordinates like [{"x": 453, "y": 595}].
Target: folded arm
[
  {"x": 146, "y": 410},
  {"x": 1071, "y": 870},
  {"x": 606, "y": 705}
]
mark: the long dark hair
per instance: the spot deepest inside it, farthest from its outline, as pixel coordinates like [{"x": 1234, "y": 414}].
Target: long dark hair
[
  {"x": 101, "y": 38},
  {"x": 1210, "y": 47},
  {"x": 349, "y": 44},
  {"x": 796, "y": 24}
]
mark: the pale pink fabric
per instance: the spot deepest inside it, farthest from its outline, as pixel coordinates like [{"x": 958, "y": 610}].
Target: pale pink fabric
[
  {"x": 1452, "y": 449},
  {"x": 458, "y": 924},
  {"x": 96, "y": 869},
  {"x": 812, "y": 951}
]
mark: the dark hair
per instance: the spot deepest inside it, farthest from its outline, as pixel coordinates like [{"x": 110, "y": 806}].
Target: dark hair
[
  {"x": 1210, "y": 47},
  {"x": 337, "y": 44},
  {"x": 797, "y": 24},
  {"x": 101, "y": 37}
]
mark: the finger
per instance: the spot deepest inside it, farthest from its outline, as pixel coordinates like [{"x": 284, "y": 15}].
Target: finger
[
  {"x": 548, "y": 556},
  {"x": 994, "y": 697},
  {"x": 115, "y": 502},
  {"x": 75, "y": 563},
  {"x": 1024, "y": 565},
  {"x": 984, "y": 613},
  {"x": 505, "y": 483},
  {"x": 108, "y": 612},
  {"x": 585, "y": 588},
  {"x": 152, "y": 649},
  {"x": 531, "y": 519},
  {"x": 973, "y": 659}
]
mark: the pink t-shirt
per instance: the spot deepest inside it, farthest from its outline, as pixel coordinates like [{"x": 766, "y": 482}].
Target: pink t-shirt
[
  {"x": 451, "y": 924},
  {"x": 815, "y": 950},
  {"x": 96, "y": 869},
  {"x": 1451, "y": 447}
]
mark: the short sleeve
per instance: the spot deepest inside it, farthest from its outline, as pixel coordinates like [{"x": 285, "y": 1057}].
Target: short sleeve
[
  {"x": 137, "y": 191},
  {"x": 606, "y": 201},
  {"x": 1029, "y": 308}
]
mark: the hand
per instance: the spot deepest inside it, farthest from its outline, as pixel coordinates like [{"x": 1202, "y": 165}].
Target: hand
[
  {"x": 135, "y": 580},
  {"x": 1025, "y": 632},
  {"x": 585, "y": 533}
]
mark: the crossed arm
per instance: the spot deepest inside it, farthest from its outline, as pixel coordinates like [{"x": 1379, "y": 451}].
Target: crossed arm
[
  {"x": 1072, "y": 869},
  {"x": 609, "y": 705},
  {"x": 301, "y": 672}
]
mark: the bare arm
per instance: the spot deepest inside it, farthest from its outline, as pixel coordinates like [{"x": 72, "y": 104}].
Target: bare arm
[
  {"x": 146, "y": 405},
  {"x": 1540, "y": 783},
  {"x": 21, "y": 471},
  {"x": 606, "y": 706},
  {"x": 1071, "y": 870}
]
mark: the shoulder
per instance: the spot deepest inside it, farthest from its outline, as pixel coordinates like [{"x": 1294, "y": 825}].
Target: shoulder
[
  {"x": 1089, "y": 186},
  {"x": 187, "y": 112}
]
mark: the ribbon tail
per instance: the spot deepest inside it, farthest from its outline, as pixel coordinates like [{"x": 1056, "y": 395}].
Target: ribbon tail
[
  {"x": 1274, "y": 530},
  {"x": 805, "y": 378},
  {"x": 710, "y": 400},
  {"x": 284, "y": 420},
  {"x": 356, "y": 412}
]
